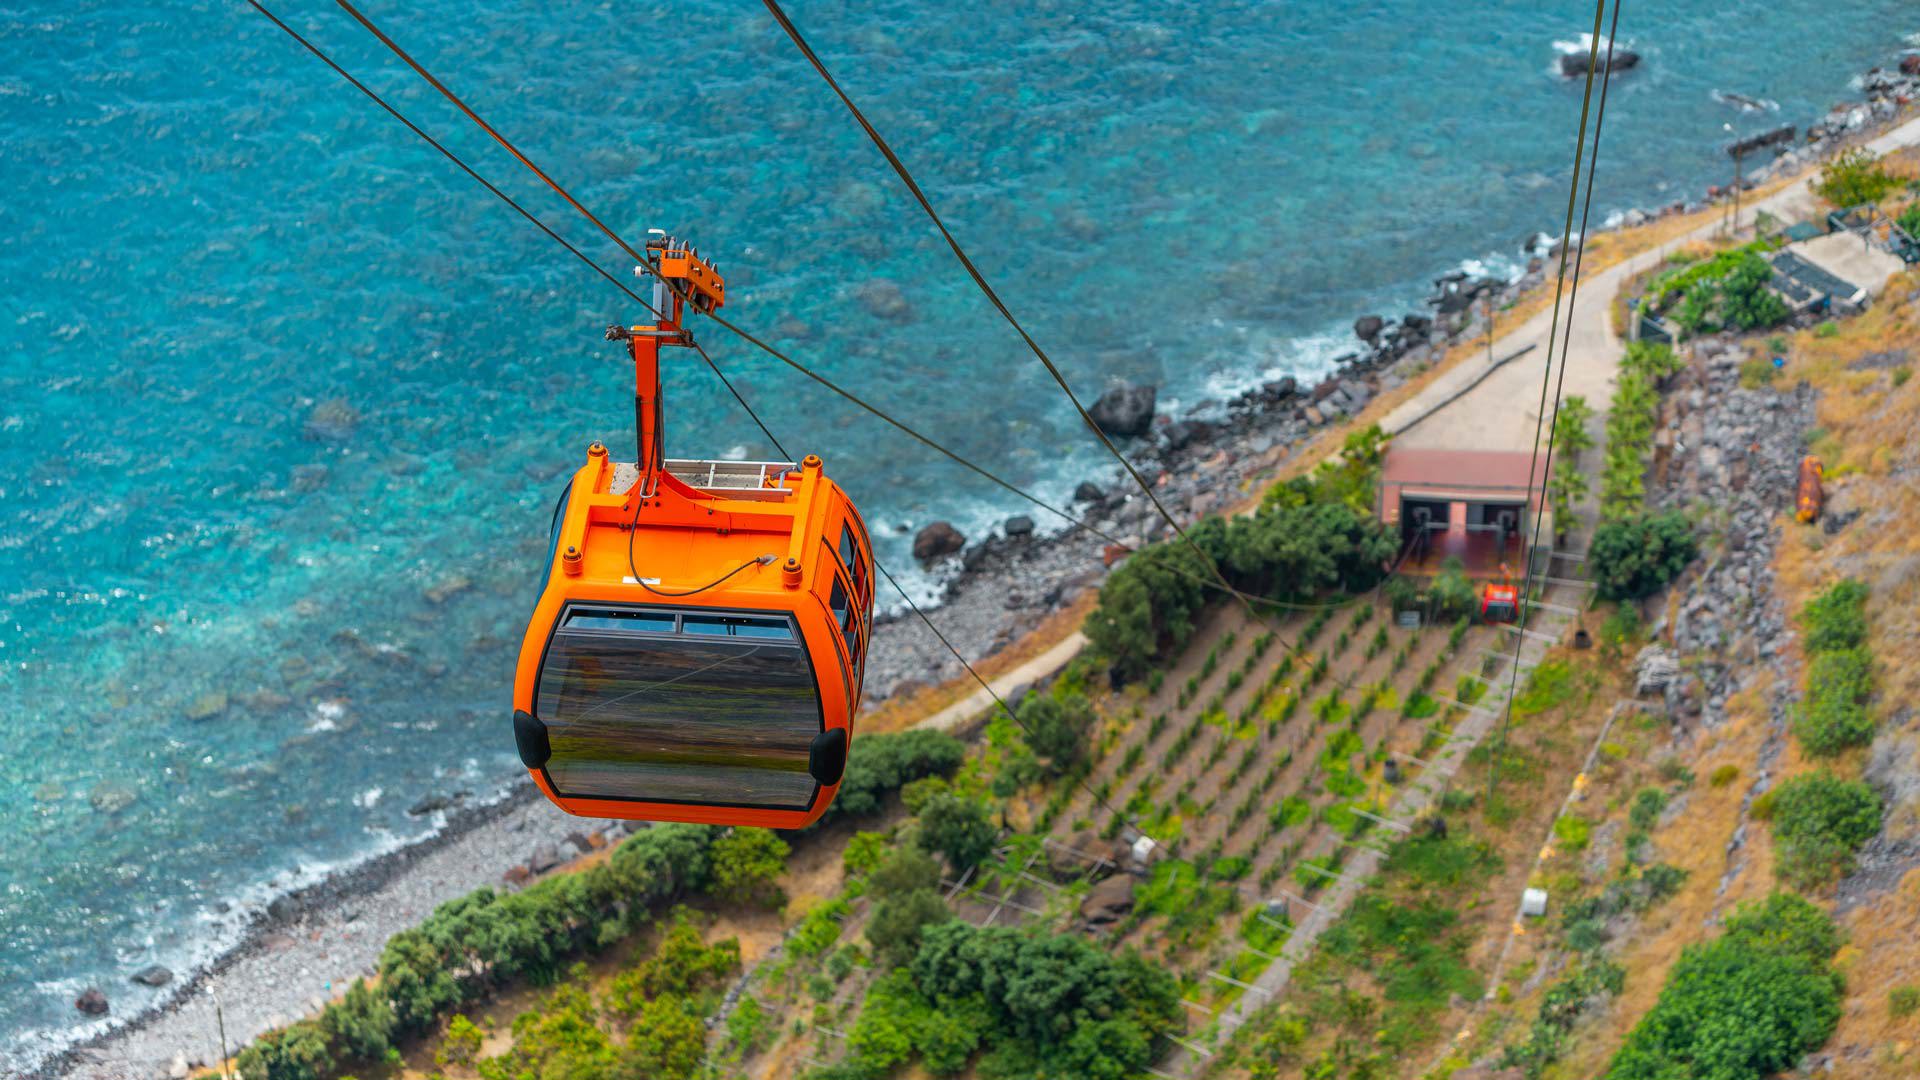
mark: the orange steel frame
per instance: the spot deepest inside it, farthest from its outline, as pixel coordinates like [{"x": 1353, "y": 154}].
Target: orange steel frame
[{"x": 686, "y": 537}]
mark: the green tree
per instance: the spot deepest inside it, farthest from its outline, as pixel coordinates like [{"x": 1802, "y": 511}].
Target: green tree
[
  {"x": 957, "y": 827},
  {"x": 415, "y": 980},
  {"x": 894, "y": 930},
  {"x": 461, "y": 1044},
  {"x": 1635, "y": 557},
  {"x": 1054, "y": 1000},
  {"x": 557, "y": 1040},
  {"x": 298, "y": 1051},
  {"x": 682, "y": 963},
  {"x": 1854, "y": 178},
  {"x": 1056, "y": 728},
  {"x": 1747, "y": 1004},
  {"x": 905, "y": 870},
  {"x": 747, "y": 862},
  {"x": 359, "y": 1026},
  {"x": 668, "y": 1041},
  {"x": 877, "y": 766},
  {"x": 1571, "y": 429}
]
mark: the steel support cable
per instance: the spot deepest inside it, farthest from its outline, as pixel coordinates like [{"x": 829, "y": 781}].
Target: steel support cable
[
  {"x": 1547, "y": 376},
  {"x": 1244, "y": 598},
  {"x": 1220, "y": 582},
  {"x": 917, "y": 610},
  {"x": 913, "y": 187},
  {"x": 721, "y": 375}
]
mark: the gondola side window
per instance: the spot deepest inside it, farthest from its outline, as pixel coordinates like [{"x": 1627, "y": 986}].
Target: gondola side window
[{"x": 665, "y": 706}]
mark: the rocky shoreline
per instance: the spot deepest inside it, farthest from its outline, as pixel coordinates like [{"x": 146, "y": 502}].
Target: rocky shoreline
[{"x": 996, "y": 588}]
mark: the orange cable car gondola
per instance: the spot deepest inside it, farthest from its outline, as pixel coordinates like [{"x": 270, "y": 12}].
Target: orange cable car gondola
[{"x": 697, "y": 650}]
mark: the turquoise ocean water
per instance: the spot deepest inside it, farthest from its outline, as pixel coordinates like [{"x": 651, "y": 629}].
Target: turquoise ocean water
[{"x": 284, "y": 400}]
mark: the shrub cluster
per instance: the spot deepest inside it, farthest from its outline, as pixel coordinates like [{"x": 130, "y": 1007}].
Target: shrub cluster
[
  {"x": 469, "y": 945},
  {"x": 879, "y": 765},
  {"x": 1855, "y": 177},
  {"x": 1819, "y": 821},
  {"x": 1746, "y": 1004},
  {"x": 1311, "y": 535},
  {"x": 1037, "y": 1004},
  {"x": 1634, "y": 557},
  {"x": 473, "y": 944}
]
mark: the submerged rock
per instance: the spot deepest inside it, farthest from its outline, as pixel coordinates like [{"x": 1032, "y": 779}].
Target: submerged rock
[
  {"x": 153, "y": 976},
  {"x": 1573, "y": 65},
  {"x": 1019, "y": 525},
  {"x": 1126, "y": 410},
  {"x": 938, "y": 540},
  {"x": 884, "y": 300},
  {"x": 332, "y": 420}
]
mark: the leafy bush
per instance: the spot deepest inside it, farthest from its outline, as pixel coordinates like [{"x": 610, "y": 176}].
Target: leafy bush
[
  {"x": 894, "y": 930},
  {"x": 1744, "y": 1005},
  {"x": 1056, "y": 728},
  {"x": 878, "y": 765},
  {"x": 1834, "y": 716},
  {"x": 1746, "y": 302},
  {"x": 1310, "y": 535},
  {"x": 957, "y": 827},
  {"x": 1855, "y": 177},
  {"x": 1635, "y": 557},
  {"x": 1819, "y": 821},
  {"x": 745, "y": 864},
  {"x": 1836, "y": 619}
]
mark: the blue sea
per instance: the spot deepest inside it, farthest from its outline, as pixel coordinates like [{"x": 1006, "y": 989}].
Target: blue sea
[{"x": 285, "y": 400}]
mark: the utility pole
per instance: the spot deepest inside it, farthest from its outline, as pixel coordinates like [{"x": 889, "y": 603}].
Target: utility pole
[{"x": 1489, "y": 302}]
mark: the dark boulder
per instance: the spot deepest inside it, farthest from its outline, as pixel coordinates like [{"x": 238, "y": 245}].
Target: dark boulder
[
  {"x": 430, "y": 804},
  {"x": 1779, "y": 137},
  {"x": 937, "y": 541},
  {"x": 1367, "y": 328},
  {"x": 1088, "y": 491},
  {"x": 91, "y": 1001},
  {"x": 1910, "y": 64},
  {"x": 153, "y": 976},
  {"x": 1573, "y": 65},
  {"x": 1126, "y": 410},
  {"x": 1019, "y": 525},
  {"x": 1184, "y": 433},
  {"x": 1108, "y": 902},
  {"x": 1416, "y": 325}
]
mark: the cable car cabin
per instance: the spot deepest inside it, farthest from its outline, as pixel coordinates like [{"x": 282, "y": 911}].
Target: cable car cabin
[
  {"x": 697, "y": 650},
  {"x": 711, "y": 675},
  {"x": 1499, "y": 603}
]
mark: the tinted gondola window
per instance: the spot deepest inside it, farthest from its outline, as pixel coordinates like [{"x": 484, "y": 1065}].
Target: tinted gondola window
[{"x": 686, "y": 708}]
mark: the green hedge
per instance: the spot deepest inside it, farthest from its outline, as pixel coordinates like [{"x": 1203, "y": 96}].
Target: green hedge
[
  {"x": 471, "y": 945},
  {"x": 1747, "y": 1004},
  {"x": 879, "y": 765},
  {"x": 1834, "y": 716}
]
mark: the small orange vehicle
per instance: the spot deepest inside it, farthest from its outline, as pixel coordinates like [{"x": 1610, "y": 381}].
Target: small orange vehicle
[
  {"x": 1500, "y": 603},
  {"x": 697, "y": 650},
  {"x": 1810, "y": 496}
]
